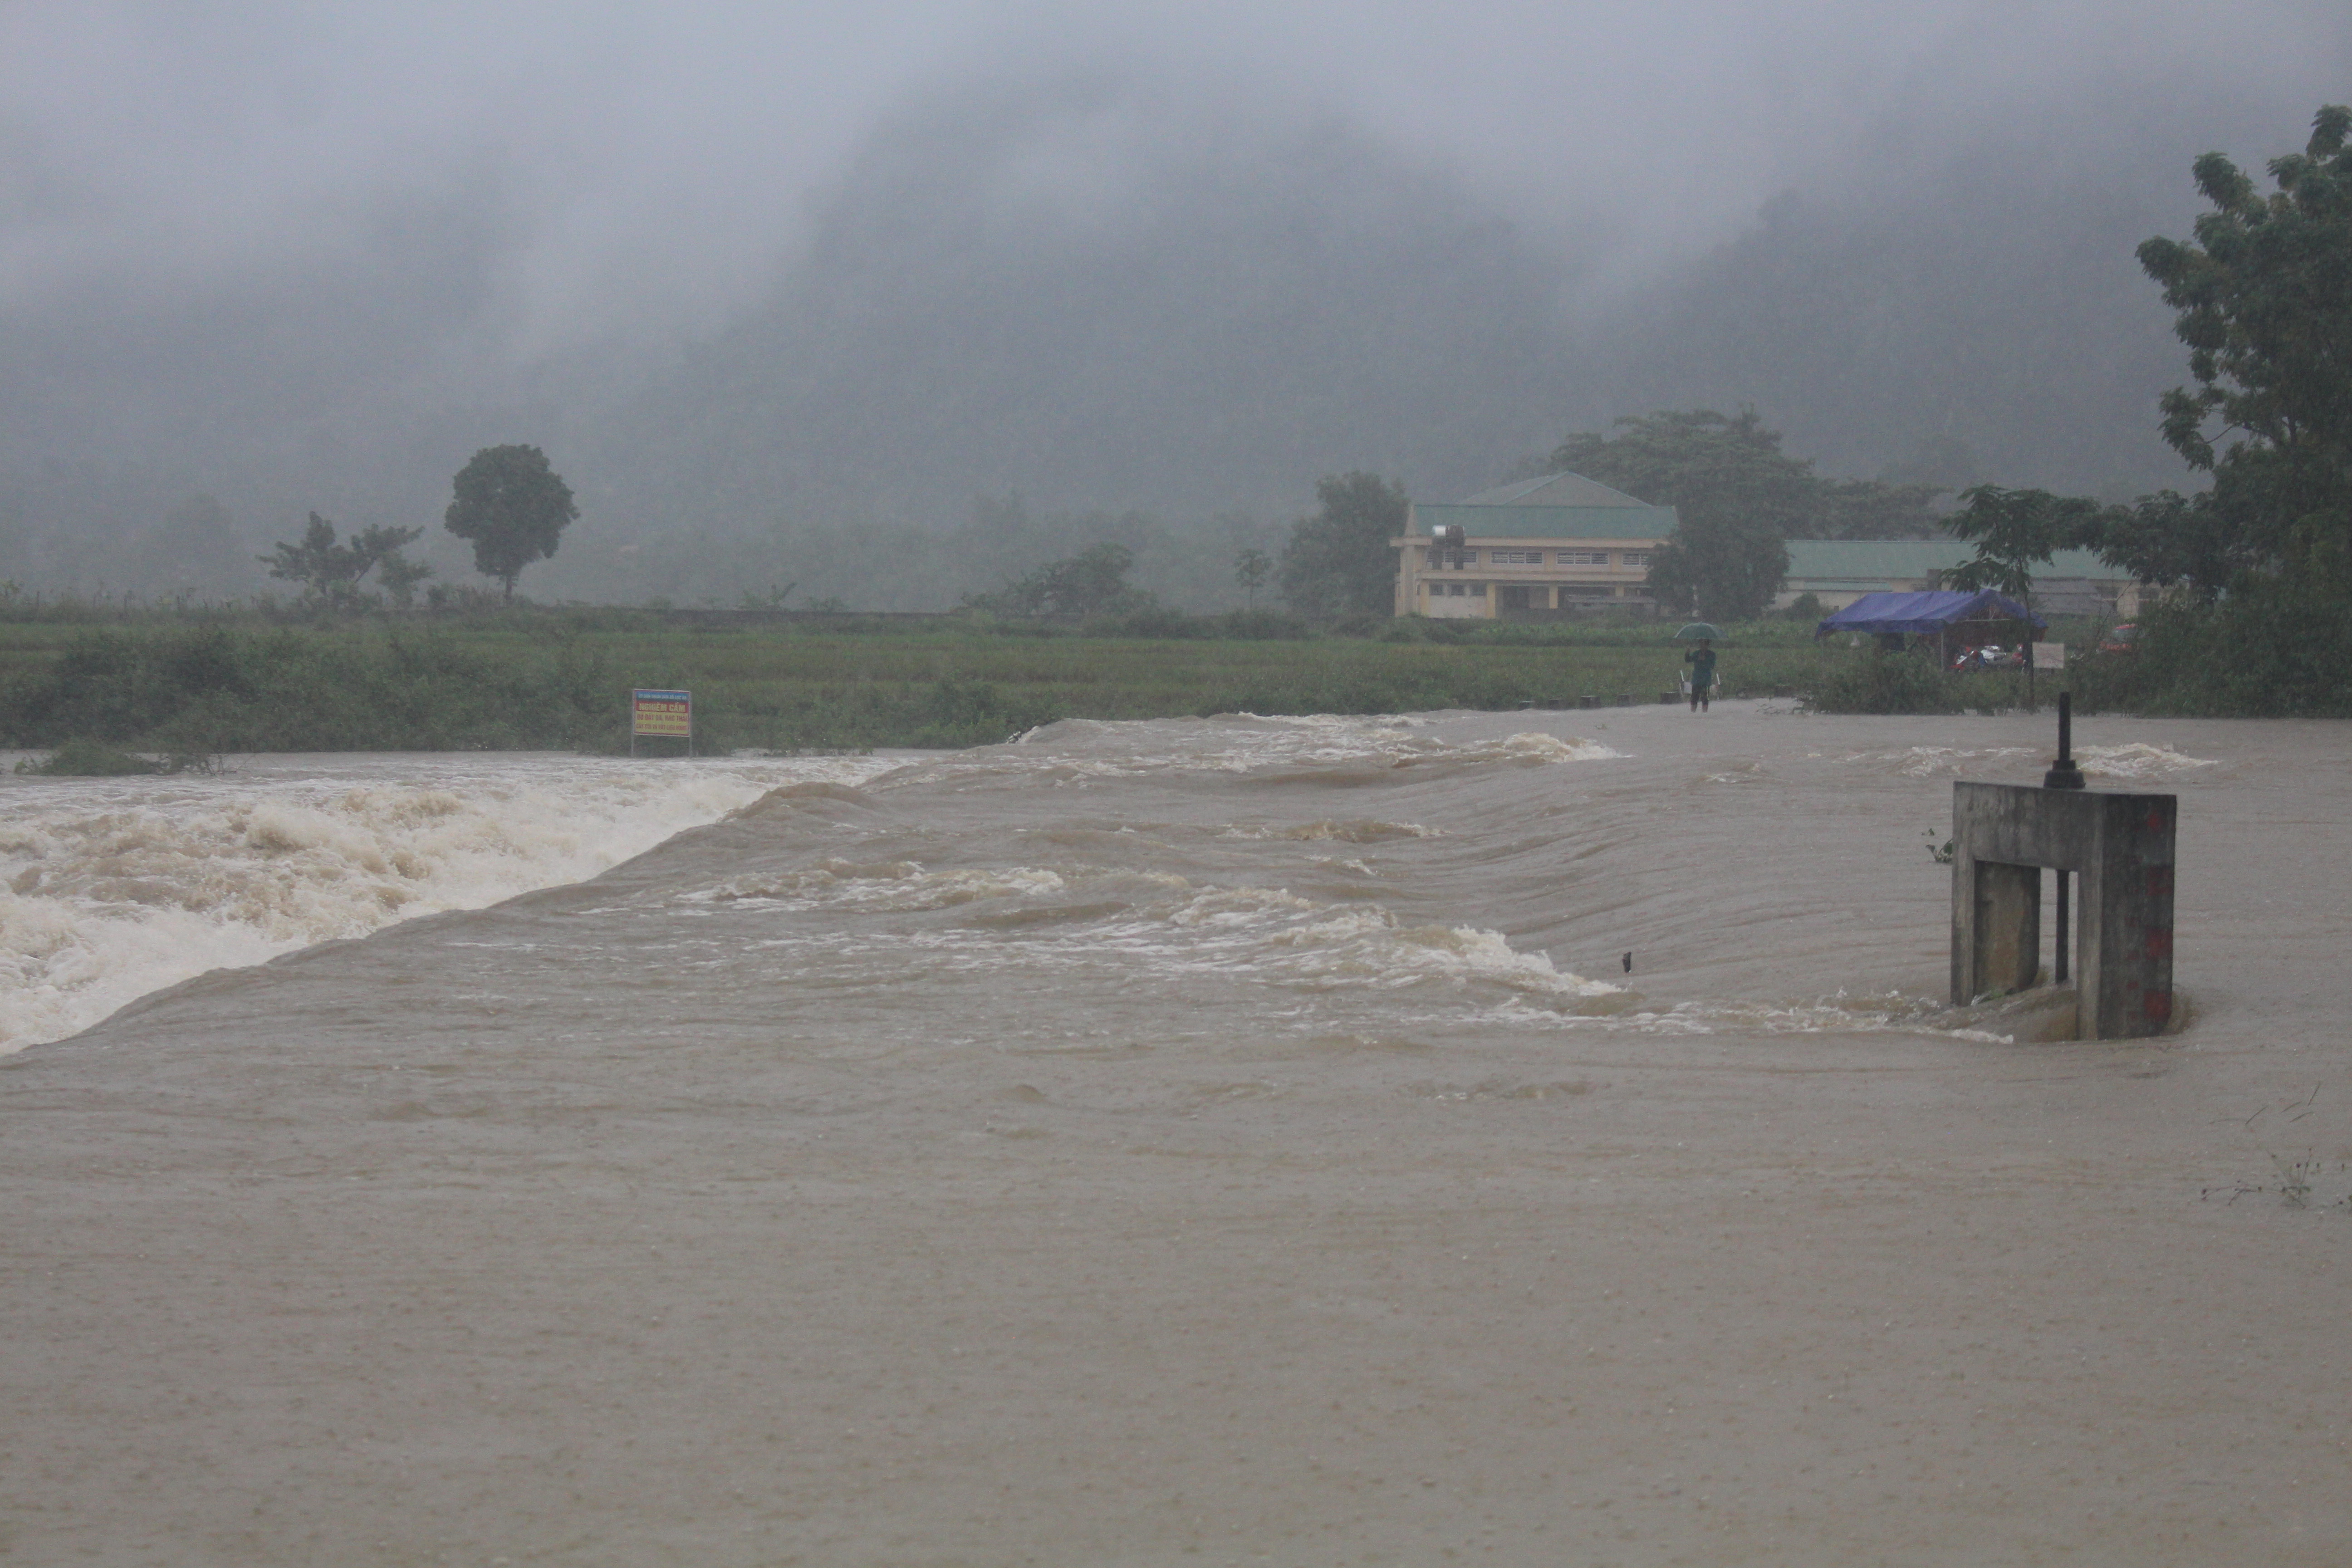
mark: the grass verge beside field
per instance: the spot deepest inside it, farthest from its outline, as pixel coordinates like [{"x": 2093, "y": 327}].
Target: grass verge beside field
[{"x": 555, "y": 680}]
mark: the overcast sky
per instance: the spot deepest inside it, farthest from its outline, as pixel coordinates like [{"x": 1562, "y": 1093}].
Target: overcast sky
[
  {"x": 757, "y": 267},
  {"x": 650, "y": 163}
]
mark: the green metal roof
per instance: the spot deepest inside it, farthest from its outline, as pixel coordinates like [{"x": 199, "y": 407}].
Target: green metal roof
[
  {"x": 1561, "y": 489},
  {"x": 1553, "y": 506},
  {"x": 1829, "y": 560}
]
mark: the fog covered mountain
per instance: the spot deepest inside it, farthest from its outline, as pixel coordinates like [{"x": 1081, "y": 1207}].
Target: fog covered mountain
[{"x": 1107, "y": 288}]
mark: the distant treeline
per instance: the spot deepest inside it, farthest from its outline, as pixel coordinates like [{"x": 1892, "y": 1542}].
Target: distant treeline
[{"x": 98, "y": 532}]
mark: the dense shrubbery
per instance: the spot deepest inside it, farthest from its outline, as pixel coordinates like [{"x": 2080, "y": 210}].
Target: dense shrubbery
[
  {"x": 2275, "y": 647},
  {"x": 858, "y": 715},
  {"x": 215, "y": 688},
  {"x": 1895, "y": 683}
]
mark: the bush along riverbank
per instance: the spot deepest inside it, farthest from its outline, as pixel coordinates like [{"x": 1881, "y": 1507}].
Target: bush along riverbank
[
  {"x": 212, "y": 689},
  {"x": 2274, "y": 649}
]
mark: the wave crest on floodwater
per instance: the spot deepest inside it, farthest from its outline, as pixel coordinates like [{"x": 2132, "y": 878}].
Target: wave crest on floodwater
[
  {"x": 2135, "y": 761},
  {"x": 1930, "y": 761},
  {"x": 1099, "y": 942},
  {"x": 1241, "y": 743},
  {"x": 110, "y": 888},
  {"x": 1346, "y": 875},
  {"x": 2138, "y": 760}
]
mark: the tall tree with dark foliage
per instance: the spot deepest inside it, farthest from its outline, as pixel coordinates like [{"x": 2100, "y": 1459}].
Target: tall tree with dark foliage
[
  {"x": 514, "y": 508},
  {"x": 1339, "y": 561},
  {"x": 1739, "y": 497},
  {"x": 2265, "y": 297}
]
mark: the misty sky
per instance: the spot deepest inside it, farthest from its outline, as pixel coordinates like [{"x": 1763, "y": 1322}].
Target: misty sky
[
  {"x": 651, "y": 162},
  {"x": 308, "y": 249}
]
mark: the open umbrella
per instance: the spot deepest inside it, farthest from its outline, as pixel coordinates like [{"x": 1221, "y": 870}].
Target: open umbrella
[{"x": 1698, "y": 631}]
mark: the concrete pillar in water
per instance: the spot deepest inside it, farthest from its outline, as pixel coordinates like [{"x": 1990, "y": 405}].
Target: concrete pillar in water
[
  {"x": 2008, "y": 927},
  {"x": 2121, "y": 848}
]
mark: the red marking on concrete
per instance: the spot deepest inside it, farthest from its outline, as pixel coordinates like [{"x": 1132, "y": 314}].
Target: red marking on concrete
[
  {"x": 2155, "y": 819},
  {"x": 2159, "y": 881},
  {"x": 2160, "y": 1005},
  {"x": 2159, "y": 944}
]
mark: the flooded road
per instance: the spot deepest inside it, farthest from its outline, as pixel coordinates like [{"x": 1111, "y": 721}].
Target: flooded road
[{"x": 1205, "y": 1140}]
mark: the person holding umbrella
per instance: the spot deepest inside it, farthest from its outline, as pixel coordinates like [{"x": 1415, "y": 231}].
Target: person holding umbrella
[{"x": 1702, "y": 662}]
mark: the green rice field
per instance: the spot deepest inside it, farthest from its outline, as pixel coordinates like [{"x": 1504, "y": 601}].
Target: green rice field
[{"x": 560, "y": 678}]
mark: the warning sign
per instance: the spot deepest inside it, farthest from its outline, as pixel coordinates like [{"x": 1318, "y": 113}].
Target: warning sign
[{"x": 663, "y": 713}]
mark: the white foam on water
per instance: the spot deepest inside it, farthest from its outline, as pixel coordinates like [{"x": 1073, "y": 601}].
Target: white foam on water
[
  {"x": 1356, "y": 831},
  {"x": 1168, "y": 927},
  {"x": 1529, "y": 746},
  {"x": 1245, "y": 742},
  {"x": 1337, "y": 958},
  {"x": 1927, "y": 762},
  {"x": 110, "y": 888},
  {"x": 1839, "y": 1013},
  {"x": 877, "y": 887},
  {"x": 2138, "y": 760}
]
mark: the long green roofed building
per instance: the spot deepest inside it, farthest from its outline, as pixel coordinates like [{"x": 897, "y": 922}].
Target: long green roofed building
[
  {"x": 1548, "y": 548},
  {"x": 1837, "y": 572}
]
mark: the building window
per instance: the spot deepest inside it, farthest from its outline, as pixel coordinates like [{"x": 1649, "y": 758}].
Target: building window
[
  {"x": 1455, "y": 589},
  {"x": 1584, "y": 591},
  {"x": 1634, "y": 558},
  {"x": 1517, "y": 557},
  {"x": 1477, "y": 590}
]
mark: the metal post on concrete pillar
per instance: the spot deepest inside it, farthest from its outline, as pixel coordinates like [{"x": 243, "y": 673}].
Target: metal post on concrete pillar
[{"x": 2063, "y": 774}]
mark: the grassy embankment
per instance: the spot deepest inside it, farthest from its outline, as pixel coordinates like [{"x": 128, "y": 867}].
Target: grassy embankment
[{"x": 557, "y": 679}]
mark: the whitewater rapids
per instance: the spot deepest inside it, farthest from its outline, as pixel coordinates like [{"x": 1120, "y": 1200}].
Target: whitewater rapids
[
  {"x": 113, "y": 888},
  {"x": 1233, "y": 1140}
]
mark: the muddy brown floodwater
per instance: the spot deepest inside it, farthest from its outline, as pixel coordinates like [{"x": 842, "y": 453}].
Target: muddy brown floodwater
[{"x": 1227, "y": 1141}]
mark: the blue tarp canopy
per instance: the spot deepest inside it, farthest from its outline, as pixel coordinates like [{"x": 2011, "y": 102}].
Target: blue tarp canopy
[{"x": 1923, "y": 613}]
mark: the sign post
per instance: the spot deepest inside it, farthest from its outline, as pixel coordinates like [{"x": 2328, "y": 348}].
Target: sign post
[{"x": 665, "y": 713}]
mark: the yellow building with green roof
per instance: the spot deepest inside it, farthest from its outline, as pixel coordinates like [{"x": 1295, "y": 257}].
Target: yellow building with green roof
[{"x": 1540, "y": 549}]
